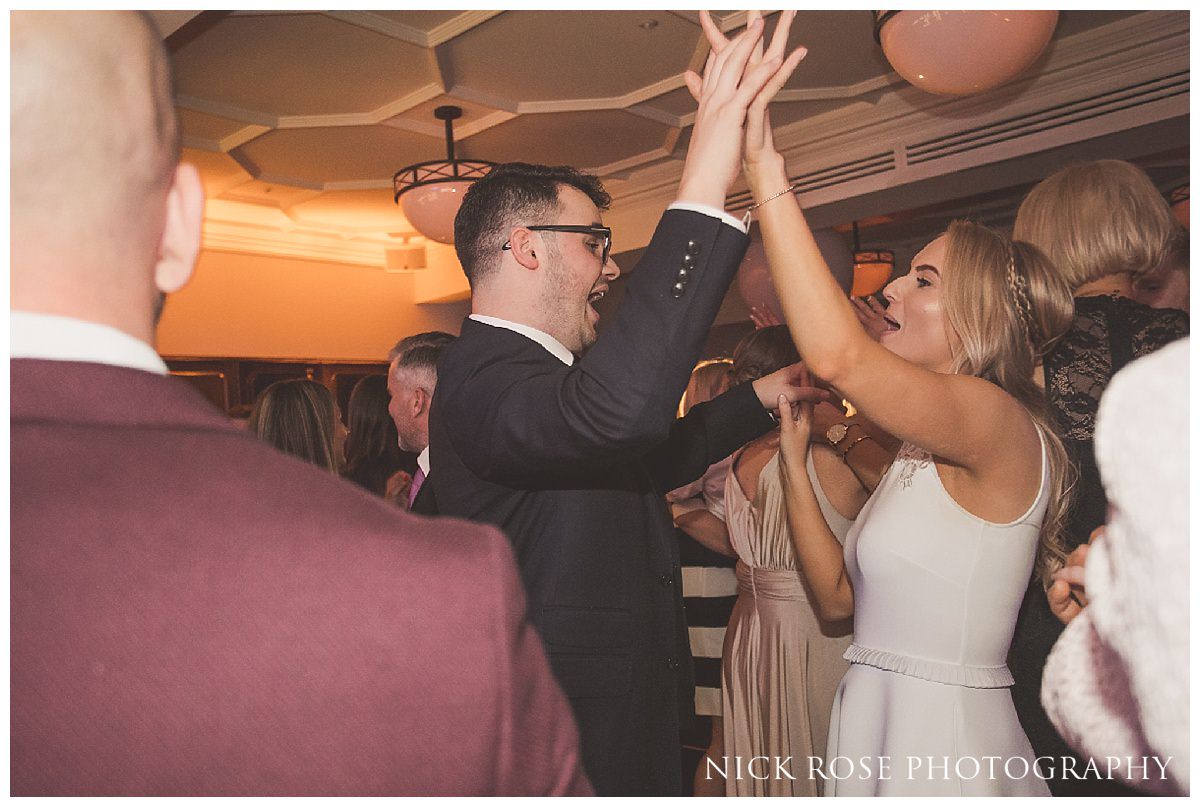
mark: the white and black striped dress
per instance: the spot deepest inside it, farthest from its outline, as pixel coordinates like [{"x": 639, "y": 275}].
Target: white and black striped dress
[{"x": 709, "y": 586}]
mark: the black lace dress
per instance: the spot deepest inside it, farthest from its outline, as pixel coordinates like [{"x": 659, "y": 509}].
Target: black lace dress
[{"x": 1108, "y": 333}]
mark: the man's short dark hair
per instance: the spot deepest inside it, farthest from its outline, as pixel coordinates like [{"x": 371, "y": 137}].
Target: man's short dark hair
[{"x": 511, "y": 195}]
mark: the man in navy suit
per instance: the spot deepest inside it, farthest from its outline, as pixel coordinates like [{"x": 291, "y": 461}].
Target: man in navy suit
[
  {"x": 568, "y": 441},
  {"x": 194, "y": 613}
]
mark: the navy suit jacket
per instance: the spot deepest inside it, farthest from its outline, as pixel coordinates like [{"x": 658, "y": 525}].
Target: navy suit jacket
[{"x": 572, "y": 463}]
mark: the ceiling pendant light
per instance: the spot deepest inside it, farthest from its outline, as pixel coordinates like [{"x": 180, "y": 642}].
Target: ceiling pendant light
[
  {"x": 872, "y": 268},
  {"x": 433, "y": 191}
]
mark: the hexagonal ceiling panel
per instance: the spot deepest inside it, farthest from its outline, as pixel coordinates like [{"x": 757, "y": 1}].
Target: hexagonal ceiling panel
[
  {"x": 841, "y": 48},
  {"x": 421, "y": 20},
  {"x": 677, "y": 102},
  {"x": 557, "y": 55},
  {"x": 422, "y": 115},
  {"x": 207, "y": 127},
  {"x": 582, "y": 139},
  {"x": 338, "y": 153},
  {"x": 298, "y": 64}
]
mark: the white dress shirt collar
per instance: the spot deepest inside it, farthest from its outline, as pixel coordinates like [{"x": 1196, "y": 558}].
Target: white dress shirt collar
[
  {"x": 55, "y": 338},
  {"x": 423, "y": 460},
  {"x": 555, "y": 347}
]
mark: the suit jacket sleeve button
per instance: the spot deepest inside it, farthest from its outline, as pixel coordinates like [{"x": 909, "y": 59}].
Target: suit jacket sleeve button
[
  {"x": 666, "y": 580},
  {"x": 677, "y": 289},
  {"x": 693, "y": 248},
  {"x": 672, "y": 663}
]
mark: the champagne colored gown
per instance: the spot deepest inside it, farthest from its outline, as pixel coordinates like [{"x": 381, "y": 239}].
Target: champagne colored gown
[{"x": 781, "y": 665}]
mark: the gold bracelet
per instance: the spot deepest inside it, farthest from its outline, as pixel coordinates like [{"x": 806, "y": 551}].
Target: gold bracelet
[
  {"x": 756, "y": 206},
  {"x": 852, "y": 445}
]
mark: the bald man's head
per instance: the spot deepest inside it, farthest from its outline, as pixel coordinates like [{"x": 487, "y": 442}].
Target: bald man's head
[{"x": 95, "y": 148}]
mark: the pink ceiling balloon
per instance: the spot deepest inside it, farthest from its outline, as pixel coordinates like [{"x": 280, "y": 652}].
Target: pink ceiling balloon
[
  {"x": 754, "y": 276},
  {"x": 964, "y": 52}
]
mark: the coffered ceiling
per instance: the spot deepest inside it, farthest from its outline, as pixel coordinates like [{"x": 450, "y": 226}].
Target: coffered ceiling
[{"x": 297, "y": 120}]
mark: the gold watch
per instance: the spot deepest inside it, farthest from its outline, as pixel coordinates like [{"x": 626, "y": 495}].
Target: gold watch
[{"x": 837, "y": 433}]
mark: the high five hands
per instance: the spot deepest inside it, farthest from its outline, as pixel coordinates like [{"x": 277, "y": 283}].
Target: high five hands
[{"x": 740, "y": 78}]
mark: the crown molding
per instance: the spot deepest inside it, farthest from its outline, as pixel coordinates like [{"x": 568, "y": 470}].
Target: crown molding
[
  {"x": 459, "y": 25},
  {"x": 461, "y": 131},
  {"x": 280, "y": 179},
  {"x": 358, "y": 185},
  {"x": 391, "y": 109},
  {"x": 222, "y": 110},
  {"x": 656, "y": 115},
  {"x": 232, "y": 237},
  {"x": 864, "y": 87},
  {"x": 482, "y": 98},
  {"x": 247, "y": 228},
  {"x": 636, "y": 160},
  {"x": 668, "y": 84},
  {"x": 382, "y": 25},
  {"x": 392, "y": 29}
]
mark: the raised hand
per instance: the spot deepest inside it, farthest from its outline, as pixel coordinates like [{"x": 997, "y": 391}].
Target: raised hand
[
  {"x": 870, "y": 313},
  {"x": 729, "y": 85},
  {"x": 760, "y": 145},
  {"x": 763, "y": 317}
]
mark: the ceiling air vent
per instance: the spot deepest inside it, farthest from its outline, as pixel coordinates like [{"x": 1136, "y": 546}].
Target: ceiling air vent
[
  {"x": 833, "y": 175},
  {"x": 1084, "y": 109}
]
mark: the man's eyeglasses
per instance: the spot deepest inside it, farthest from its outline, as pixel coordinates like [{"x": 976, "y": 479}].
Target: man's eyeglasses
[{"x": 586, "y": 229}]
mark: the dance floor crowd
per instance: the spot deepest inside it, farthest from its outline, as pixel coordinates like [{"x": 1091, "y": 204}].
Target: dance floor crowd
[{"x": 930, "y": 542}]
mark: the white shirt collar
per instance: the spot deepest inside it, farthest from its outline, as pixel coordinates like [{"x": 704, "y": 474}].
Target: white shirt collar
[
  {"x": 556, "y": 348},
  {"x": 423, "y": 460},
  {"x": 46, "y": 336}
]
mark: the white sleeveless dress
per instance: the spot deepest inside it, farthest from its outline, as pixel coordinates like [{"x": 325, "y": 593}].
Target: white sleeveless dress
[{"x": 926, "y": 703}]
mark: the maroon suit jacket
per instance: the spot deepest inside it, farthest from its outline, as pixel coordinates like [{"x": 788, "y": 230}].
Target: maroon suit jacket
[{"x": 194, "y": 613}]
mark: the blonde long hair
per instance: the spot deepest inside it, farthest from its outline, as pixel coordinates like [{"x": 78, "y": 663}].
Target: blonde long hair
[
  {"x": 1008, "y": 307},
  {"x": 710, "y": 378}
]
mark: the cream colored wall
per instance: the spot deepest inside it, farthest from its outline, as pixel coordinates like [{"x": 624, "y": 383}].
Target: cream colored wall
[{"x": 240, "y": 305}]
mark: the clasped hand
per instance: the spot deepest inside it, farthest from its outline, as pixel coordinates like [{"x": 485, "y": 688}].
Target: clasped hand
[{"x": 739, "y": 80}]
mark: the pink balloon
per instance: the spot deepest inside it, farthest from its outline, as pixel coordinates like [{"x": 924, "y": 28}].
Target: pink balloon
[
  {"x": 754, "y": 276},
  {"x": 965, "y": 52}
]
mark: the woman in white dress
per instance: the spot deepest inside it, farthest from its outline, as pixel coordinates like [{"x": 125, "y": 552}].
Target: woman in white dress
[{"x": 936, "y": 564}]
